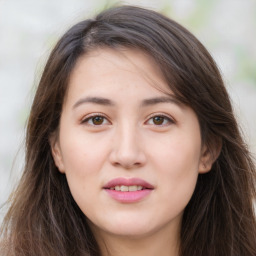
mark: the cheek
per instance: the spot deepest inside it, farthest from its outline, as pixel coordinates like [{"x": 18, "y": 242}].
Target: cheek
[
  {"x": 82, "y": 172},
  {"x": 178, "y": 169},
  {"x": 178, "y": 155},
  {"x": 82, "y": 153},
  {"x": 83, "y": 159}
]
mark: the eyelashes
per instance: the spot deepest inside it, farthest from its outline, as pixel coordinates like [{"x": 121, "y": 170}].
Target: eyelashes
[
  {"x": 159, "y": 120},
  {"x": 96, "y": 119},
  {"x": 99, "y": 119}
]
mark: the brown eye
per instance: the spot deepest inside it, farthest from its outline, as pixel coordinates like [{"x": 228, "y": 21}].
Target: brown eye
[
  {"x": 98, "y": 120},
  {"x": 95, "y": 120},
  {"x": 158, "y": 120}
]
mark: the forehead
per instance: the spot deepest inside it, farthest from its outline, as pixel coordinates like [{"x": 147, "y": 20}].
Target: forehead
[{"x": 103, "y": 67}]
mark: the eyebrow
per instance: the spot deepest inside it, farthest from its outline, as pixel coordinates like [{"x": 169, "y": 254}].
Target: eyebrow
[
  {"x": 95, "y": 100},
  {"x": 157, "y": 100},
  {"x": 145, "y": 103}
]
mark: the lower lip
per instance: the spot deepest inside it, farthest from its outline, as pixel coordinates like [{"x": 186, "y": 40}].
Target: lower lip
[{"x": 128, "y": 197}]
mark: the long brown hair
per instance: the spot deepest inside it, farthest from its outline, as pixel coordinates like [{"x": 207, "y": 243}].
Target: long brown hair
[{"x": 43, "y": 219}]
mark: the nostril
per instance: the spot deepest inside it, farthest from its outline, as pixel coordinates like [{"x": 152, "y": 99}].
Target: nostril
[
  {"x": 126, "y": 165},
  {"x": 127, "y": 153}
]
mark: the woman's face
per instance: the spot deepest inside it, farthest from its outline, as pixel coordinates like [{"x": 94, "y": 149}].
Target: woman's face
[{"x": 130, "y": 152}]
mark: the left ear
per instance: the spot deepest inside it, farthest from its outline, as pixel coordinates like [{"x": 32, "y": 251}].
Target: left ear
[
  {"x": 209, "y": 156},
  {"x": 56, "y": 153}
]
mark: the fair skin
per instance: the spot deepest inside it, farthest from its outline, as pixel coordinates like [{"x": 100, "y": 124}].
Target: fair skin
[{"x": 118, "y": 122}]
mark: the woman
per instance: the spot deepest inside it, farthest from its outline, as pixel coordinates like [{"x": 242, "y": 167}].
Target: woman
[{"x": 132, "y": 148}]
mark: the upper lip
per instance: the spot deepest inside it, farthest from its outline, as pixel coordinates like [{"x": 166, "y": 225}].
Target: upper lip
[{"x": 128, "y": 182}]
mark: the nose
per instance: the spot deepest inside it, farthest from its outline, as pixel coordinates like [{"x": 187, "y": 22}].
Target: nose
[{"x": 127, "y": 149}]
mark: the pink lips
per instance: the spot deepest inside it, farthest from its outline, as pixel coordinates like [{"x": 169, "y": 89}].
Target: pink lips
[{"x": 129, "y": 196}]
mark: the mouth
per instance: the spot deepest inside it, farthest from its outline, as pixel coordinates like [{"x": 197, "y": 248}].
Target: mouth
[
  {"x": 124, "y": 188},
  {"x": 125, "y": 185},
  {"x": 128, "y": 190}
]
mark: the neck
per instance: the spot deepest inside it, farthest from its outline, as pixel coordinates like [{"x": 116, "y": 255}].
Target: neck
[{"x": 157, "y": 243}]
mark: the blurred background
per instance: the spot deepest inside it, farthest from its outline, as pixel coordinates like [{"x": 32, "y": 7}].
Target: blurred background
[{"x": 29, "y": 29}]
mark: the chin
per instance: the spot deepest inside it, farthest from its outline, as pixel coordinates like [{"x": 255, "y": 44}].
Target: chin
[
  {"x": 131, "y": 228},
  {"x": 124, "y": 227},
  {"x": 129, "y": 231}
]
